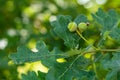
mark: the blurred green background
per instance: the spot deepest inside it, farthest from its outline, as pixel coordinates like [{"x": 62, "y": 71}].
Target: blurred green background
[{"x": 24, "y": 22}]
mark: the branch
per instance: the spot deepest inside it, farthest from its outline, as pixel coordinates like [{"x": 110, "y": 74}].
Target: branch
[{"x": 103, "y": 50}]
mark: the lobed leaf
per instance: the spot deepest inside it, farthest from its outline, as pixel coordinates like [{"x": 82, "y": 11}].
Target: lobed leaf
[
  {"x": 108, "y": 21},
  {"x": 113, "y": 66},
  {"x": 25, "y": 55},
  {"x": 115, "y": 34}
]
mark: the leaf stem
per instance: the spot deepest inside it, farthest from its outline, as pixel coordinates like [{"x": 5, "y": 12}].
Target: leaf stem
[
  {"x": 104, "y": 50},
  {"x": 82, "y": 37},
  {"x": 78, "y": 32},
  {"x": 110, "y": 50}
]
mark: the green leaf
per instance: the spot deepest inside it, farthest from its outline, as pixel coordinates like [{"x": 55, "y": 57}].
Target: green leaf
[
  {"x": 63, "y": 71},
  {"x": 99, "y": 16},
  {"x": 41, "y": 75},
  {"x": 108, "y": 21},
  {"x": 71, "y": 74},
  {"x": 112, "y": 75},
  {"x": 25, "y": 55},
  {"x": 60, "y": 28},
  {"x": 81, "y": 18},
  {"x": 71, "y": 40},
  {"x": 113, "y": 65},
  {"x": 31, "y": 75},
  {"x": 108, "y": 25},
  {"x": 115, "y": 34},
  {"x": 112, "y": 13}
]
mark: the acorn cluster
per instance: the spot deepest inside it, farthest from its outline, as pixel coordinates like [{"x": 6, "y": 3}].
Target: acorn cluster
[{"x": 72, "y": 26}]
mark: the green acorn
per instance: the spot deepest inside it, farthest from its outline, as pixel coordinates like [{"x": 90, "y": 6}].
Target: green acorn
[
  {"x": 72, "y": 26},
  {"x": 83, "y": 26}
]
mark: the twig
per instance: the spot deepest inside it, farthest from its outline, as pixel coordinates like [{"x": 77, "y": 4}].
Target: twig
[{"x": 70, "y": 66}]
